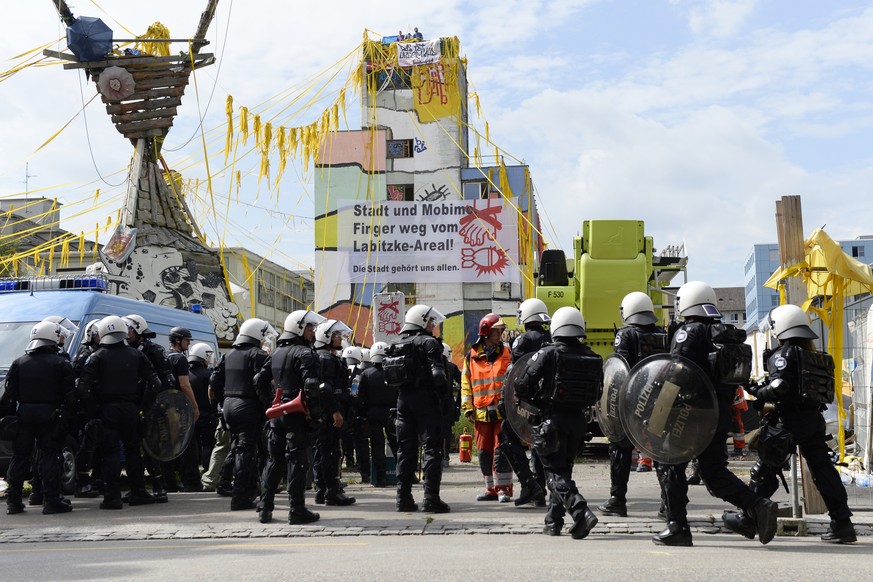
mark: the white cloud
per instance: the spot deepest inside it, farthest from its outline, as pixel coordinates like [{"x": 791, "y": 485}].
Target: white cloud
[{"x": 719, "y": 18}]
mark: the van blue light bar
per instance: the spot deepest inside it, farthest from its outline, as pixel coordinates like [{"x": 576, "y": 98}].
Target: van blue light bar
[{"x": 60, "y": 283}]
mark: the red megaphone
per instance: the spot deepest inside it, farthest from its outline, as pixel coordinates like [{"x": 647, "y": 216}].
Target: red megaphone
[{"x": 280, "y": 408}]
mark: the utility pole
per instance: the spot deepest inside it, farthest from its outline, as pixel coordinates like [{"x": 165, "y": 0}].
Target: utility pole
[{"x": 26, "y": 181}]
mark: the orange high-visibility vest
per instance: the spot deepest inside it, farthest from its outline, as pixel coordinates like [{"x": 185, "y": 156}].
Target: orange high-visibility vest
[{"x": 484, "y": 380}]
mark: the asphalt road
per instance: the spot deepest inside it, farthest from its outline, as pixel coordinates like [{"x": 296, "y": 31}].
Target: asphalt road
[{"x": 444, "y": 558}]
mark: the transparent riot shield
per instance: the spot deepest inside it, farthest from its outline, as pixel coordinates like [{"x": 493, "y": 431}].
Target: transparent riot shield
[
  {"x": 517, "y": 413},
  {"x": 615, "y": 375},
  {"x": 168, "y": 425},
  {"x": 669, "y": 410}
]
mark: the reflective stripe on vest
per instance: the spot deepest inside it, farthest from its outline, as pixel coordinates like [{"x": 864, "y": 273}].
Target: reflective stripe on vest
[{"x": 486, "y": 379}]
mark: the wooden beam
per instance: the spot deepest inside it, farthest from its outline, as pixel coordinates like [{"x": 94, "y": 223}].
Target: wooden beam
[
  {"x": 151, "y": 104},
  {"x": 140, "y": 61},
  {"x": 143, "y": 115}
]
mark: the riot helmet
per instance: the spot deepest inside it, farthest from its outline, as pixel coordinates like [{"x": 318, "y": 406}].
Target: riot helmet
[
  {"x": 44, "y": 333},
  {"x": 177, "y": 334},
  {"x": 447, "y": 351},
  {"x": 790, "y": 321},
  {"x": 378, "y": 351},
  {"x": 68, "y": 328},
  {"x": 352, "y": 355},
  {"x": 418, "y": 316},
  {"x": 327, "y": 328},
  {"x": 200, "y": 353},
  {"x": 365, "y": 355},
  {"x": 637, "y": 308},
  {"x": 92, "y": 334},
  {"x": 112, "y": 329},
  {"x": 568, "y": 322},
  {"x": 137, "y": 324},
  {"x": 255, "y": 331},
  {"x": 297, "y": 321},
  {"x": 532, "y": 310},
  {"x": 696, "y": 298}
]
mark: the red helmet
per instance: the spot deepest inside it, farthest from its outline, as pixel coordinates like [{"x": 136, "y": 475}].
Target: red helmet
[{"x": 490, "y": 321}]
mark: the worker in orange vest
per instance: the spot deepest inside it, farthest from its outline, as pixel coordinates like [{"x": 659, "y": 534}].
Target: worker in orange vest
[{"x": 482, "y": 380}]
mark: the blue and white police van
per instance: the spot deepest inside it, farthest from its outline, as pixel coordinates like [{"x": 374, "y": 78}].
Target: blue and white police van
[{"x": 25, "y": 302}]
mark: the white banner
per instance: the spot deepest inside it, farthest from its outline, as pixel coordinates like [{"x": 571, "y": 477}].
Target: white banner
[
  {"x": 389, "y": 311},
  {"x": 446, "y": 241},
  {"x": 410, "y": 54}
]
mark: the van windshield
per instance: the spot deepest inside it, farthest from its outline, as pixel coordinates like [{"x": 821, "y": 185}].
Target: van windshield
[{"x": 14, "y": 338}]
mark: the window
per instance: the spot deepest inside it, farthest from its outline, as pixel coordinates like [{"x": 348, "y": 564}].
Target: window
[
  {"x": 774, "y": 300},
  {"x": 401, "y": 192},
  {"x": 399, "y": 148},
  {"x": 857, "y": 251},
  {"x": 735, "y": 318}
]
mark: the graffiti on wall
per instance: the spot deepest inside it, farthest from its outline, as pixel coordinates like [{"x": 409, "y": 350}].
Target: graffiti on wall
[{"x": 161, "y": 275}]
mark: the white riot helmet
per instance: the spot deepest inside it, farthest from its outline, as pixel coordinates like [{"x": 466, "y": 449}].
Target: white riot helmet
[
  {"x": 92, "y": 333},
  {"x": 568, "y": 322},
  {"x": 327, "y": 328},
  {"x": 112, "y": 330},
  {"x": 532, "y": 310},
  {"x": 378, "y": 352},
  {"x": 138, "y": 325},
  {"x": 637, "y": 308},
  {"x": 200, "y": 352},
  {"x": 418, "y": 315},
  {"x": 297, "y": 321},
  {"x": 353, "y": 355},
  {"x": 44, "y": 333},
  {"x": 365, "y": 355},
  {"x": 697, "y": 298},
  {"x": 68, "y": 328},
  {"x": 790, "y": 321},
  {"x": 255, "y": 331},
  {"x": 447, "y": 351}
]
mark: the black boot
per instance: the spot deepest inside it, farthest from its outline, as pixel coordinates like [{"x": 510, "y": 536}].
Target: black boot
[
  {"x": 301, "y": 516},
  {"x": 112, "y": 502},
  {"x": 241, "y": 503},
  {"x": 739, "y": 522},
  {"x": 55, "y": 505},
  {"x": 583, "y": 523},
  {"x": 141, "y": 497},
  {"x": 614, "y": 506},
  {"x": 265, "y": 512},
  {"x": 530, "y": 492},
  {"x": 677, "y": 533},
  {"x": 338, "y": 498},
  {"x": 14, "y": 505},
  {"x": 840, "y": 532},
  {"x": 765, "y": 514},
  {"x": 36, "y": 498},
  {"x": 553, "y": 528},
  {"x": 435, "y": 505},
  {"x": 87, "y": 491}
]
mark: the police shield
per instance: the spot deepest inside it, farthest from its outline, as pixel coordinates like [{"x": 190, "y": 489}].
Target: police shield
[
  {"x": 615, "y": 375},
  {"x": 518, "y": 414},
  {"x": 168, "y": 425},
  {"x": 669, "y": 409}
]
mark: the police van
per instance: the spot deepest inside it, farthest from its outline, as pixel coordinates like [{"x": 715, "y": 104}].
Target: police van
[{"x": 25, "y": 302}]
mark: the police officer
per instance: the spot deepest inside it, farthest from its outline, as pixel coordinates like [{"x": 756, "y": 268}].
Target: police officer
[
  {"x": 244, "y": 402},
  {"x": 38, "y": 385},
  {"x": 637, "y": 340},
  {"x": 140, "y": 336},
  {"x": 696, "y": 304},
  {"x": 418, "y": 408},
  {"x": 355, "y": 431},
  {"x": 90, "y": 426},
  {"x": 180, "y": 341},
  {"x": 801, "y": 385},
  {"x": 200, "y": 369},
  {"x": 116, "y": 376},
  {"x": 559, "y": 382},
  {"x": 533, "y": 315},
  {"x": 294, "y": 367},
  {"x": 377, "y": 400},
  {"x": 452, "y": 409},
  {"x": 329, "y": 336}
]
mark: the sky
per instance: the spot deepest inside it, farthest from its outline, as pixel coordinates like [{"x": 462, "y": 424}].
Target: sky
[{"x": 694, "y": 116}]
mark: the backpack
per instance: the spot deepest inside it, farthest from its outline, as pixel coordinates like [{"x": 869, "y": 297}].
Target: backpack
[
  {"x": 578, "y": 380},
  {"x": 399, "y": 366},
  {"x": 731, "y": 362},
  {"x": 816, "y": 376}
]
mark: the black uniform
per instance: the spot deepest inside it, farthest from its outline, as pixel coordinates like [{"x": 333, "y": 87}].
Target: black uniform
[
  {"x": 293, "y": 366},
  {"x": 801, "y": 417},
  {"x": 571, "y": 375},
  {"x": 157, "y": 356},
  {"x": 533, "y": 482},
  {"x": 90, "y": 429},
  {"x": 326, "y": 461},
  {"x": 419, "y": 419},
  {"x": 692, "y": 340},
  {"x": 452, "y": 411},
  {"x": 244, "y": 402},
  {"x": 117, "y": 376},
  {"x": 377, "y": 400},
  {"x": 204, "y": 428},
  {"x": 188, "y": 462},
  {"x": 356, "y": 427},
  {"x": 39, "y": 383},
  {"x": 634, "y": 343}
]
